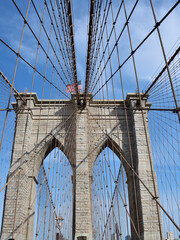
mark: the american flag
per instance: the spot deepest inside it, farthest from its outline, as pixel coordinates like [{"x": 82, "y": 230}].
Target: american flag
[{"x": 72, "y": 87}]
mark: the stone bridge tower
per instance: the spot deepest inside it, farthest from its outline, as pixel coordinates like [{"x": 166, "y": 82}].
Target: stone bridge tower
[{"x": 86, "y": 146}]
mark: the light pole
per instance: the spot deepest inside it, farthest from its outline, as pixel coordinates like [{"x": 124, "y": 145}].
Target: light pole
[{"x": 59, "y": 221}]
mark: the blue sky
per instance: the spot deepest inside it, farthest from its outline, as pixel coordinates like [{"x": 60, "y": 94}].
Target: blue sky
[{"x": 148, "y": 58}]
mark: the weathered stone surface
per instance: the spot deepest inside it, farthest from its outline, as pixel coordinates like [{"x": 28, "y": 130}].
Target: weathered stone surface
[{"x": 81, "y": 134}]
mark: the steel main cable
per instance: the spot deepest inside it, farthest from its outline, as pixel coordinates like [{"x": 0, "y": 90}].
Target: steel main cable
[
  {"x": 39, "y": 43},
  {"x": 108, "y": 39},
  {"x": 57, "y": 39},
  {"x": 134, "y": 51},
  {"x": 33, "y": 200},
  {"x": 33, "y": 67}
]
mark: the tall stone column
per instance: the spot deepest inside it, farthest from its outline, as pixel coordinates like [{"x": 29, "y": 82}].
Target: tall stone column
[
  {"x": 15, "y": 216},
  {"x": 83, "y": 221},
  {"x": 149, "y": 214},
  {"x": 19, "y": 212}
]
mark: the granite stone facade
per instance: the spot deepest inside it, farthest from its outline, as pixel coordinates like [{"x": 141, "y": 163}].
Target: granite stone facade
[{"x": 82, "y": 134}]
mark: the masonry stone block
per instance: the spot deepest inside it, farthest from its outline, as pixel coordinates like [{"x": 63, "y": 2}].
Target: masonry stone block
[{"x": 82, "y": 135}]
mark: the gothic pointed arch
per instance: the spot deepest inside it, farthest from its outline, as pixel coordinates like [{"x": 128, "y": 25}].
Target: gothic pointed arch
[
  {"x": 54, "y": 196},
  {"x": 115, "y": 147},
  {"x": 45, "y": 147}
]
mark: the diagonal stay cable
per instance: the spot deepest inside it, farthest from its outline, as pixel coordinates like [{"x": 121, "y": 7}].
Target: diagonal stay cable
[
  {"x": 134, "y": 51},
  {"x": 107, "y": 136},
  {"x": 8, "y": 46}
]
